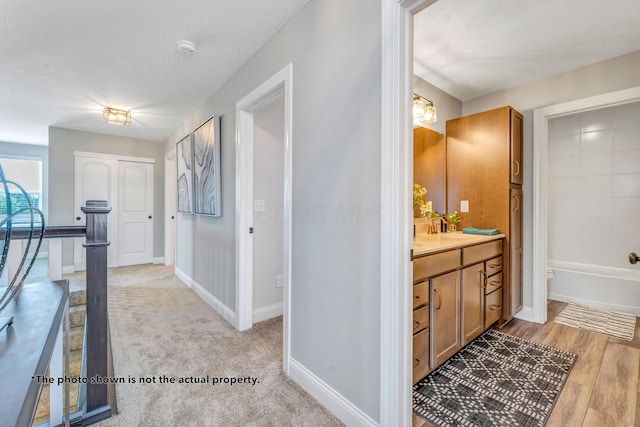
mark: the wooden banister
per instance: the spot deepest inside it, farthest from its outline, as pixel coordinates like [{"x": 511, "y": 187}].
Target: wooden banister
[{"x": 96, "y": 246}]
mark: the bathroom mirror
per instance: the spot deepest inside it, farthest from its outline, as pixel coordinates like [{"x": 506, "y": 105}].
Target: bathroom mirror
[{"x": 429, "y": 160}]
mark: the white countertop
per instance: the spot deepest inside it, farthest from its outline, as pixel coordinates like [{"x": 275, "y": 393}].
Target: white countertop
[{"x": 424, "y": 243}]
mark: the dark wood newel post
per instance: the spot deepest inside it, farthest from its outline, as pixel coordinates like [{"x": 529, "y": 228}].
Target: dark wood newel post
[{"x": 96, "y": 351}]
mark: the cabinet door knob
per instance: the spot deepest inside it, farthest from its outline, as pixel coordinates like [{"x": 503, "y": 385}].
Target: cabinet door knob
[
  {"x": 439, "y": 299},
  {"x": 495, "y": 307},
  {"x": 517, "y": 163},
  {"x": 496, "y": 266},
  {"x": 633, "y": 258},
  {"x": 78, "y": 218},
  {"x": 484, "y": 278}
]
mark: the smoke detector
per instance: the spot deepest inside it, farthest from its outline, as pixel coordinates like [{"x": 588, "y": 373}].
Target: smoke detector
[{"x": 186, "y": 47}]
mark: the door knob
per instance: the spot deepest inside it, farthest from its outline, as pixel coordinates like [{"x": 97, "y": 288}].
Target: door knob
[
  {"x": 78, "y": 218},
  {"x": 149, "y": 216},
  {"x": 633, "y": 258}
]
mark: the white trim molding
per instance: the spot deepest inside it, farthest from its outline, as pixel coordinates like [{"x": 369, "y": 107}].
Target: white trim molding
[
  {"x": 396, "y": 213},
  {"x": 541, "y": 119},
  {"x": 158, "y": 260},
  {"x": 68, "y": 269},
  {"x": 328, "y": 397},
  {"x": 280, "y": 84},
  {"x": 114, "y": 157},
  {"x": 207, "y": 297},
  {"x": 267, "y": 312}
]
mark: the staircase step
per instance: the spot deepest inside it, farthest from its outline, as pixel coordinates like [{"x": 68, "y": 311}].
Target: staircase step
[
  {"x": 76, "y": 338},
  {"x": 76, "y": 315}
]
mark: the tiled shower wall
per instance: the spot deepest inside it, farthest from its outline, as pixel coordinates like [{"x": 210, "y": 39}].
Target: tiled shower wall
[{"x": 594, "y": 186}]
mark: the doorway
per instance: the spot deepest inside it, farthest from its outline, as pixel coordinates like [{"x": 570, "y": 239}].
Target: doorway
[
  {"x": 542, "y": 191},
  {"x": 170, "y": 180},
  {"x": 278, "y": 87},
  {"x": 268, "y": 202}
]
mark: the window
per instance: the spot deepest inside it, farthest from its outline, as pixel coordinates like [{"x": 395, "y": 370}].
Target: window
[{"x": 27, "y": 173}]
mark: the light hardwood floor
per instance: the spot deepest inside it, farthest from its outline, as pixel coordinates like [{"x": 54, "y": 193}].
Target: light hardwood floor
[{"x": 603, "y": 388}]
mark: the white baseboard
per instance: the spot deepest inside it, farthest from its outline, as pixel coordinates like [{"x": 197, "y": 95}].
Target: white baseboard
[
  {"x": 206, "y": 296},
  {"x": 337, "y": 404},
  {"x": 68, "y": 269},
  {"x": 525, "y": 314},
  {"x": 267, "y": 312},
  {"x": 158, "y": 260},
  {"x": 597, "y": 304}
]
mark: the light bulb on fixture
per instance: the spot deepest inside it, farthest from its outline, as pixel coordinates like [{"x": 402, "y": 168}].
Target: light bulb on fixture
[
  {"x": 423, "y": 111},
  {"x": 115, "y": 116}
]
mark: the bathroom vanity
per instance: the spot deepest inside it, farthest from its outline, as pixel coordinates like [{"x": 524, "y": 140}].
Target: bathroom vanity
[{"x": 457, "y": 294}]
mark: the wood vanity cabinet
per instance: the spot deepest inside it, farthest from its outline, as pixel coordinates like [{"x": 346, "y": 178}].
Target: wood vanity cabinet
[
  {"x": 457, "y": 295},
  {"x": 484, "y": 166},
  {"x": 445, "y": 314}
]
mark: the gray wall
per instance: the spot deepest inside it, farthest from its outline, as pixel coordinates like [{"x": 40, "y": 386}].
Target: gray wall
[
  {"x": 268, "y": 185},
  {"x": 335, "y": 50},
  {"x": 608, "y": 76},
  {"x": 447, "y": 106},
  {"x": 62, "y": 144}
]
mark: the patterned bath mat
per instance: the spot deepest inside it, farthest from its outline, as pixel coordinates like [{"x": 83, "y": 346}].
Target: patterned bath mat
[
  {"x": 618, "y": 325},
  {"x": 496, "y": 380}
]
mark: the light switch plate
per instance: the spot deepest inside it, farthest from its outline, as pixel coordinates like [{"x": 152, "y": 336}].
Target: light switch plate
[
  {"x": 259, "y": 205},
  {"x": 464, "y": 206}
]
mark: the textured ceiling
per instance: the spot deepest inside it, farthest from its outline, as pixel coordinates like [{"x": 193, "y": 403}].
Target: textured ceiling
[
  {"x": 62, "y": 61},
  {"x": 472, "y": 48}
]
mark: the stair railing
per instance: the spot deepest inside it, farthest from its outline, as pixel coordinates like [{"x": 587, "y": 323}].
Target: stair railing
[{"x": 97, "y": 404}]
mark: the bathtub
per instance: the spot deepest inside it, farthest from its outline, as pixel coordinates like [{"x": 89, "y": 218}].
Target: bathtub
[{"x": 598, "y": 286}]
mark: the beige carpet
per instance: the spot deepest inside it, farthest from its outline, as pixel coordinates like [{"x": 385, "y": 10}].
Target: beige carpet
[
  {"x": 160, "y": 327},
  {"x": 618, "y": 325}
]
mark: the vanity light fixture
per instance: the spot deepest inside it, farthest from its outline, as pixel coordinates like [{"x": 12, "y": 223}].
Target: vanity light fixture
[
  {"x": 115, "y": 116},
  {"x": 423, "y": 111}
]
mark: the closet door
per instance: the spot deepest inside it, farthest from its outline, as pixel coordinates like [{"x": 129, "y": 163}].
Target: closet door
[
  {"x": 95, "y": 179},
  {"x": 135, "y": 202}
]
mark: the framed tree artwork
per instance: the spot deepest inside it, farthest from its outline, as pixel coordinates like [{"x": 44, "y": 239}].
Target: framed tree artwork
[
  {"x": 206, "y": 168},
  {"x": 184, "y": 163}
]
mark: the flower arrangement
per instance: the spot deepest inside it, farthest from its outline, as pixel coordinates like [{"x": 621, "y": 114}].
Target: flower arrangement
[
  {"x": 419, "y": 200},
  {"x": 453, "y": 220}
]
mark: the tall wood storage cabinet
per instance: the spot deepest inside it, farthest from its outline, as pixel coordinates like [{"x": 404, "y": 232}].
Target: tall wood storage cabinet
[{"x": 484, "y": 166}]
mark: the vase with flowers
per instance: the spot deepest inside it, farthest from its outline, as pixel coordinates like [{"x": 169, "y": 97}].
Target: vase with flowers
[
  {"x": 453, "y": 219},
  {"x": 419, "y": 201}
]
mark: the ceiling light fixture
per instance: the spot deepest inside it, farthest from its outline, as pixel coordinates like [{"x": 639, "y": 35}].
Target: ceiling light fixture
[
  {"x": 115, "y": 116},
  {"x": 186, "y": 47},
  {"x": 423, "y": 111}
]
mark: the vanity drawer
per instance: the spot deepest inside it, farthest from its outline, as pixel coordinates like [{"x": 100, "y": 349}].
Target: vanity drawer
[
  {"x": 420, "y": 294},
  {"x": 493, "y": 266},
  {"x": 432, "y": 265},
  {"x": 476, "y": 253},
  {"x": 493, "y": 283},
  {"x": 492, "y": 307},
  {"x": 420, "y": 319},
  {"x": 420, "y": 355}
]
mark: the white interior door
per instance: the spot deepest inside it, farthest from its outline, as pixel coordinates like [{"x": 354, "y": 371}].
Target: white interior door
[
  {"x": 135, "y": 201},
  {"x": 95, "y": 179}
]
